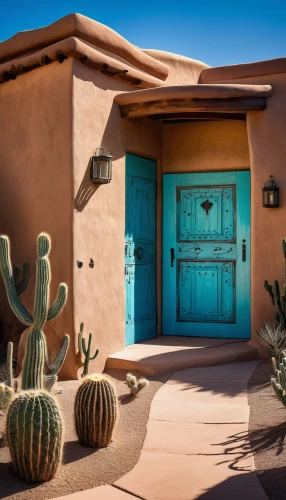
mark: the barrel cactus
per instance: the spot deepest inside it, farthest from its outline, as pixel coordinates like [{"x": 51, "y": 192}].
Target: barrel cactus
[
  {"x": 96, "y": 411},
  {"x": 34, "y": 434}
]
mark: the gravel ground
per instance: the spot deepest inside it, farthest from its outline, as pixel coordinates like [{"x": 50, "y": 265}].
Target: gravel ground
[
  {"x": 267, "y": 433},
  {"x": 82, "y": 467}
]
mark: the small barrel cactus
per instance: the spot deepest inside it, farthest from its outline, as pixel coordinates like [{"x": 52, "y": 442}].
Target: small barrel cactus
[
  {"x": 6, "y": 395},
  {"x": 35, "y": 436},
  {"x": 95, "y": 411}
]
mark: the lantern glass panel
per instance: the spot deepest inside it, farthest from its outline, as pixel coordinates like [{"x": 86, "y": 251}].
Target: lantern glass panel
[{"x": 103, "y": 169}]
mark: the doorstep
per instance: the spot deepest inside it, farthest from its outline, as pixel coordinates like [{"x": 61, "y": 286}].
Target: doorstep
[{"x": 167, "y": 354}]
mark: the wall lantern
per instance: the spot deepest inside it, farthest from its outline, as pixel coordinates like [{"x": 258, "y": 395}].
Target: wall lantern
[
  {"x": 270, "y": 194},
  {"x": 101, "y": 166}
]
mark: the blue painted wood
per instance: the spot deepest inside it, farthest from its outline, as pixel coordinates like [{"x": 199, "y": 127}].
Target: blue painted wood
[
  {"x": 140, "y": 249},
  {"x": 206, "y": 218}
]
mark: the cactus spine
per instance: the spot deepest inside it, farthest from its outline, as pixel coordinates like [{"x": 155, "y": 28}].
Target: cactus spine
[
  {"x": 6, "y": 395},
  {"x": 278, "y": 381},
  {"x": 54, "y": 366},
  {"x": 279, "y": 301},
  {"x": 85, "y": 350},
  {"x": 95, "y": 411},
  {"x": 32, "y": 376},
  {"x": 34, "y": 434}
]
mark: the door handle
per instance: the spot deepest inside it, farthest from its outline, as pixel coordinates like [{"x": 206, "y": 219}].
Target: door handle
[
  {"x": 172, "y": 251},
  {"x": 243, "y": 248}
]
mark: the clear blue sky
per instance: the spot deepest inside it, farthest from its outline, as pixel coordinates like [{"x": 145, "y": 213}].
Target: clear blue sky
[{"x": 217, "y": 32}]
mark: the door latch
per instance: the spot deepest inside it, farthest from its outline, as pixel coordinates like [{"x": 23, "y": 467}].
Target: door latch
[
  {"x": 172, "y": 251},
  {"x": 243, "y": 251}
]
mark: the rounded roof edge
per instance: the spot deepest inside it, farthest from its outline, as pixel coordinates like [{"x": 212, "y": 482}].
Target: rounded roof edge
[
  {"x": 88, "y": 30},
  {"x": 247, "y": 70},
  {"x": 201, "y": 91}
]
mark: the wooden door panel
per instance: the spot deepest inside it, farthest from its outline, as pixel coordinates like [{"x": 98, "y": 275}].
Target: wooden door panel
[
  {"x": 140, "y": 249},
  {"x": 206, "y": 220}
]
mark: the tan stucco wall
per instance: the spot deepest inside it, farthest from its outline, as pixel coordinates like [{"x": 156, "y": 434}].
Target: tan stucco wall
[
  {"x": 209, "y": 146},
  {"x": 98, "y": 227},
  {"x": 36, "y": 181}
]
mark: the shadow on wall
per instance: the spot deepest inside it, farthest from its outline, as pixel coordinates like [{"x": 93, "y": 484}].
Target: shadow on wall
[{"x": 87, "y": 189}]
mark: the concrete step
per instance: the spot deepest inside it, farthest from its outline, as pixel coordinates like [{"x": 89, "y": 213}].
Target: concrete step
[{"x": 167, "y": 354}]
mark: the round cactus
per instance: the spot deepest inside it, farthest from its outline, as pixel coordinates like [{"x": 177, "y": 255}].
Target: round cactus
[
  {"x": 35, "y": 436},
  {"x": 6, "y": 394},
  {"x": 95, "y": 411}
]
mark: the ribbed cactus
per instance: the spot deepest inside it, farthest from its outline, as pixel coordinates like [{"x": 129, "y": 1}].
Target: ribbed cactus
[
  {"x": 24, "y": 282},
  {"x": 32, "y": 374},
  {"x": 6, "y": 395},
  {"x": 279, "y": 381},
  {"x": 85, "y": 350},
  {"x": 55, "y": 364},
  {"x": 34, "y": 434},
  {"x": 274, "y": 291},
  {"x": 95, "y": 411}
]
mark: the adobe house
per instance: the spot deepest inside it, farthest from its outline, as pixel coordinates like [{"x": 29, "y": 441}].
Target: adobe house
[{"x": 179, "y": 238}]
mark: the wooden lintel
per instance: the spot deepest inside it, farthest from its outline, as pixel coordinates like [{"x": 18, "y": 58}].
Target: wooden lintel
[
  {"x": 198, "y": 116},
  {"x": 232, "y": 105}
]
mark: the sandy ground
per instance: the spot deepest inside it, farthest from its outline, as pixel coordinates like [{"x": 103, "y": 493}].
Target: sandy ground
[
  {"x": 267, "y": 433},
  {"x": 85, "y": 468}
]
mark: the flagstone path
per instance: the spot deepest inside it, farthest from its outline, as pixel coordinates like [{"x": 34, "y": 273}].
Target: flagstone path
[{"x": 196, "y": 445}]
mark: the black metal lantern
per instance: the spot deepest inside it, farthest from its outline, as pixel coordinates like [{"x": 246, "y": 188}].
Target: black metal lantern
[
  {"x": 270, "y": 194},
  {"x": 101, "y": 166}
]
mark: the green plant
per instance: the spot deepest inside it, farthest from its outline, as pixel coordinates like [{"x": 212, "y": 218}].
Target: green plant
[
  {"x": 33, "y": 366},
  {"x": 85, "y": 350},
  {"x": 279, "y": 301},
  {"x": 34, "y": 426},
  {"x": 6, "y": 395},
  {"x": 95, "y": 411},
  {"x": 9, "y": 364},
  {"x": 34, "y": 434},
  {"x": 278, "y": 381},
  {"x": 273, "y": 338},
  {"x": 54, "y": 365}
]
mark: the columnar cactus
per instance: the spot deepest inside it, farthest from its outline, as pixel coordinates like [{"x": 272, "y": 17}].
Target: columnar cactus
[
  {"x": 279, "y": 381},
  {"x": 95, "y": 411},
  {"x": 85, "y": 350},
  {"x": 32, "y": 375},
  {"x": 34, "y": 434},
  {"x": 55, "y": 365},
  {"x": 34, "y": 426},
  {"x": 279, "y": 301}
]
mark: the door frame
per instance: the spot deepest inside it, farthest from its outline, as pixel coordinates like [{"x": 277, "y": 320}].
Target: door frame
[{"x": 241, "y": 179}]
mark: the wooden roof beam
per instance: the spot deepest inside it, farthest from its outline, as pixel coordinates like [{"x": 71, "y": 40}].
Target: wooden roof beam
[{"x": 232, "y": 105}]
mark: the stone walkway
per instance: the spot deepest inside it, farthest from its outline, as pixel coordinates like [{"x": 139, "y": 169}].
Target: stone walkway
[{"x": 196, "y": 445}]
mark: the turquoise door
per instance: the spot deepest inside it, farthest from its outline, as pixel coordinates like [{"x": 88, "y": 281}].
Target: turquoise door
[
  {"x": 140, "y": 249},
  {"x": 206, "y": 254}
]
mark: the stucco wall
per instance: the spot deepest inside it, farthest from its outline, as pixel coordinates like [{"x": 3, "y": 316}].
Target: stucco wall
[
  {"x": 36, "y": 181},
  {"x": 205, "y": 146},
  {"x": 98, "y": 226}
]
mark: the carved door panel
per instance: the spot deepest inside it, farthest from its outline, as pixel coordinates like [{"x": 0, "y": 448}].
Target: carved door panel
[
  {"x": 140, "y": 249},
  {"x": 206, "y": 254}
]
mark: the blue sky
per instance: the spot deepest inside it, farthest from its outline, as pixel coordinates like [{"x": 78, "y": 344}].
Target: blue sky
[{"x": 216, "y": 32}]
